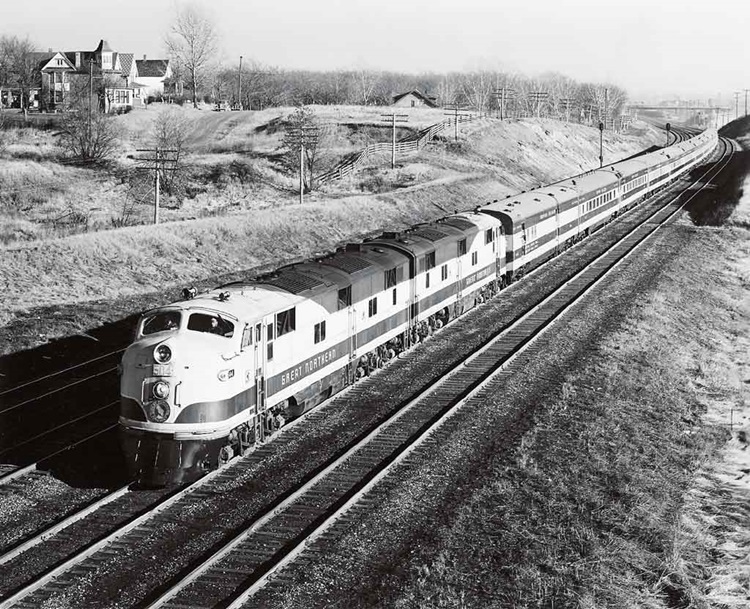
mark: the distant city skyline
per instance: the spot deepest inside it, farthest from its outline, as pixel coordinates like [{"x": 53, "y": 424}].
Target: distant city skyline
[{"x": 651, "y": 48}]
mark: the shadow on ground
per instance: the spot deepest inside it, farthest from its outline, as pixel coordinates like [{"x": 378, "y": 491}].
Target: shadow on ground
[{"x": 714, "y": 205}]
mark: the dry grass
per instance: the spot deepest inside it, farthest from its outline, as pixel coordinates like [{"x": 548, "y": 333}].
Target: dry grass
[
  {"x": 48, "y": 187},
  {"x": 242, "y": 212},
  {"x": 594, "y": 511}
]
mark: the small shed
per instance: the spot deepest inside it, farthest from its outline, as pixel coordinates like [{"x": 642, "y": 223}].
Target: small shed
[{"x": 414, "y": 99}]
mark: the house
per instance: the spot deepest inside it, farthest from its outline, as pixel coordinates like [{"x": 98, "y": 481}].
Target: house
[
  {"x": 68, "y": 75},
  {"x": 414, "y": 99},
  {"x": 152, "y": 74}
]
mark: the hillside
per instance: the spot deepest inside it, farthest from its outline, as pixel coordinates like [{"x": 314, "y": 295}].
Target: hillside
[{"x": 242, "y": 212}]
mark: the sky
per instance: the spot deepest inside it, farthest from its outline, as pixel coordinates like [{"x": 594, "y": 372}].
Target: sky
[{"x": 652, "y": 48}]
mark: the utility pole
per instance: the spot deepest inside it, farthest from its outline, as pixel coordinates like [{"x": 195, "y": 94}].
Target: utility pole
[
  {"x": 601, "y": 144},
  {"x": 502, "y": 95},
  {"x": 606, "y": 104},
  {"x": 394, "y": 118},
  {"x": 239, "y": 85},
  {"x": 567, "y": 102},
  {"x": 91, "y": 92},
  {"x": 736, "y": 104},
  {"x": 537, "y": 97},
  {"x": 746, "y": 90},
  {"x": 455, "y": 114},
  {"x": 91, "y": 88},
  {"x": 160, "y": 159},
  {"x": 300, "y": 135}
]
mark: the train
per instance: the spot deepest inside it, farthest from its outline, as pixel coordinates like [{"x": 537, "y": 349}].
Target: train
[{"x": 214, "y": 374}]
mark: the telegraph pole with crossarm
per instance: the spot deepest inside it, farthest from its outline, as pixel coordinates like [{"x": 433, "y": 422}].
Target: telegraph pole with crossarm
[
  {"x": 158, "y": 163},
  {"x": 456, "y": 116},
  {"x": 393, "y": 119},
  {"x": 300, "y": 136},
  {"x": 502, "y": 95},
  {"x": 538, "y": 97}
]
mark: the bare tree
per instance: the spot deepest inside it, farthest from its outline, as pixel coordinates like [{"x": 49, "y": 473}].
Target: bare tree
[
  {"x": 89, "y": 137},
  {"x": 18, "y": 66},
  {"x": 366, "y": 80},
  {"x": 170, "y": 132},
  {"x": 477, "y": 88},
  {"x": 192, "y": 43}
]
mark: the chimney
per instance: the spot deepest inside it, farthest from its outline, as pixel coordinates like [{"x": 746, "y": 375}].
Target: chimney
[
  {"x": 49, "y": 49},
  {"x": 78, "y": 59},
  {"x": 144, "y": 57}
]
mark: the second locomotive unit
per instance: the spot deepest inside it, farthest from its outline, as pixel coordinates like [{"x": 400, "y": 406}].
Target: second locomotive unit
[{"x": 206, "y": 376}]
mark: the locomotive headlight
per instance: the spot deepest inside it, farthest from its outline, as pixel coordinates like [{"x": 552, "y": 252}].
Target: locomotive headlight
[
  {"x": 158, "y": 411},
  {"x": 160, "y": 390},
  {"x": 162, "y": 354}
]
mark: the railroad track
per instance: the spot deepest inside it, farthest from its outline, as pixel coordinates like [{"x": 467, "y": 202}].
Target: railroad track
[
  {"x": 51, "y": 447},
  {"x": 280, "y": 533},
  {"x": 38, "y": 416}
]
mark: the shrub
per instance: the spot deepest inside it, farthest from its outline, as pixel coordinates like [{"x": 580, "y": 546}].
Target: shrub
[{"x": 89, "y": 136}]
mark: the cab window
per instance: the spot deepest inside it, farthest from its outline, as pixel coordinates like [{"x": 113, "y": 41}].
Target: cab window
[
  {"x": 161, "y": 322},
  {"x": 211, "y": 324}
]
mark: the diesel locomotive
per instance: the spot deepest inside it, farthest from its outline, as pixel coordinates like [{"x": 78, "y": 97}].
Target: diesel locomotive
[{"x": 208, "y": 377}]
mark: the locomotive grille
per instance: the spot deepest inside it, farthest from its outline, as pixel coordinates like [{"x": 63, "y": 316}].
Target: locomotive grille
[
  {"x": 348, "y": 263},
  {"x": 429, "y": 233},
  {"x": 294, "y": 282},
  {"x": 459, "y": 223}
]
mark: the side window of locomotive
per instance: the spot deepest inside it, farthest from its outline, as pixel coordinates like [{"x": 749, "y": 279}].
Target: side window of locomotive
[
  {"x": 269, "y": 345},
  {"x": 286, "y": 322},
  {"x": 444, "y": 272},
  {"x": 390, "y": 278},
  {"x": 488, "y": 236},
  {"x": 320, "y": 332},
  {"x": 474, "y": 258},
  {"x": 247, "y": 337},
  {"x": 461, "y": 247},
  {"x": 345, "y": 297},
  {"x": 160, "y": 322},
  {"x": 372, "y": 307},
  {"x": 211, "y": 324}
]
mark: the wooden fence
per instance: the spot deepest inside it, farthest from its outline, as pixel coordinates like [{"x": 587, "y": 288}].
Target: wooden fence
[{"x": 410, "y": 143}]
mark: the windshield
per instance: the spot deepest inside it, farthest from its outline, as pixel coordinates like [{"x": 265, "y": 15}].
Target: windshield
[
  {"x": 161, "y": 322},
  {"x": 213, "y": 324}
]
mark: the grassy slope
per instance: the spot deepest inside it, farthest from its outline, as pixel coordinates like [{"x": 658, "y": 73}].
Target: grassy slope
[{"x": 262, "y": 227}]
